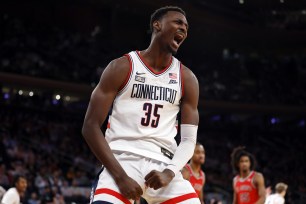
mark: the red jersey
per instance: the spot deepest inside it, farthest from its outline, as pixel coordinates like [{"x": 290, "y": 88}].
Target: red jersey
[
  {"x": 246, "y": 192},
  {"x": 196, "y": 182}
]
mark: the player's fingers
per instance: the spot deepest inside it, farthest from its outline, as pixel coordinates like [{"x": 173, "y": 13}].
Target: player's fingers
[
  {"x": 139, "y": 190},
  {"x": 157, "y": 184},
  {"x": 127, "y": 194},
  {"x": 153, "y": 183},
  {"x": 149, "y": 175},
  {"x": 131, "y": 195},
  {"x": 138, "y": 194},
  {"x": 149, "y": 182}
]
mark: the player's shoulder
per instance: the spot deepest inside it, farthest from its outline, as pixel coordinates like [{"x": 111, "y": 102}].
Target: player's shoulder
[
  {"x": 11, "y": 194},
  {"x": 235, "y": 180},
  {"x": 258, "y": 174},
  {"x": 117, "y": 70},
  {"x": 185, "y": 172},
  {"x": 12, "y": 190},
  {"x": 186, "y": 167},
  {"x": 192, "y": 85},
  {"x": 236, "y": 177},
  {"x": 203, "y": 174},
  {"x": 120, "y": 63},
  {"x": 258, "y": 178},
  {"x": 187, "y": 72}
]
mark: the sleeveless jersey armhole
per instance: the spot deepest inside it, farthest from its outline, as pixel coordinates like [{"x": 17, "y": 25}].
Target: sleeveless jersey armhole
[
  {"x": 187, "y": 166},
  {"x": 182, "y": 80},
  {"x": 128, "y": 76},
  {"x": 235, "y": 180},
  {"x": 253, "y": 179}
]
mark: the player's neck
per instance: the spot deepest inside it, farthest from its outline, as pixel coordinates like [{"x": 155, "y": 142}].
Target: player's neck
[
  {"x": 156, "y": 57},
  {"x": 19, "y": 191},
  {"x": 195, "y": 167},
  {"x": 244, "y": 174}
]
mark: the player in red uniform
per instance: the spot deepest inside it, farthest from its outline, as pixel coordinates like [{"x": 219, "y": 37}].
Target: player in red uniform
[
  {"x": 248, "y": 185},
  {"x": 193, "y": 172}
]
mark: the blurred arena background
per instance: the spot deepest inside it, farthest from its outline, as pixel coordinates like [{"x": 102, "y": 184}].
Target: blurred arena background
[{"x": 249, "y": 57}]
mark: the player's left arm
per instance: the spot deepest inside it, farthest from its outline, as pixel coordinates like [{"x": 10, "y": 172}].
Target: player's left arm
[
  {"x": 189, "y": 121},
  {"x": 189, "y": 126},
  {"x": 202, "y": 189},
  {"x": 201, "y": 195},
  {"x": 260, "y": 184}
]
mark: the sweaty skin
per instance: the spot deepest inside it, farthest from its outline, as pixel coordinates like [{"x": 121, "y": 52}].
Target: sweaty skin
[{"x": 169, "y": 33}]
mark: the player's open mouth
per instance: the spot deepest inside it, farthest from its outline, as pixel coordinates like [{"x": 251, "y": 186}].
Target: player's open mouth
[{"x": 178, "y": 38}]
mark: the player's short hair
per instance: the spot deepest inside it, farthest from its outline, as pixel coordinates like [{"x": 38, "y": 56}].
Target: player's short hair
[
  {"x": 159, "y": 13},
  {"x": 239, "y": 152},
  {"x": 198, "y": 144},
  {"x": 17, "y": 178},
  {"x": 281, "y": 187}
]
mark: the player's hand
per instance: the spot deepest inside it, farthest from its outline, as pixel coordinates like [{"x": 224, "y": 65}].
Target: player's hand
[
  {"x": 129, "y": 188},
  {"x": 156, "y": 179}
]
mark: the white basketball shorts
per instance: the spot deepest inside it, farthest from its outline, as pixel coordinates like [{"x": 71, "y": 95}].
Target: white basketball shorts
[{"x": 137, "y": 167}]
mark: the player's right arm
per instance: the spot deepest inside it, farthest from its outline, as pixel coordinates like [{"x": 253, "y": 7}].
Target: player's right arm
[
  {"x": 234, "y": 194},
  {"x": 100, "y": 103},
  {"x": 185, "y": 173}
]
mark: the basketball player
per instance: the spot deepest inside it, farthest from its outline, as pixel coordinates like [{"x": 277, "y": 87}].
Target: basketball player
[
  {"x": 248, "y": 185},
  {"x": 12, "y": 195},
  {"x": 146, "y": 90},
  {"x": 279, "y": 196},
  {"x": 193, "y": 172}
]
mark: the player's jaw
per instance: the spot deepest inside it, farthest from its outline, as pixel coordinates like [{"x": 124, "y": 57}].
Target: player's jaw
[
  {"x": 176, "y": 41},
  {"x": 244, "y": 168}
]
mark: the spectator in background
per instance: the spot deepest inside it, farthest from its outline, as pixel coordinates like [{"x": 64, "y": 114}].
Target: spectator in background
[
  {"x": 2, "y": 192},
  {"x": 12, "y": 196},
  {"x": 34, "y": 199},
  {"x": 279, "y": 196},
  {"x": 4, "y": 179}
]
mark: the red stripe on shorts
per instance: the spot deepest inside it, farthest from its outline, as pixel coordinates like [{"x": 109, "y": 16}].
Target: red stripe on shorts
[
  {"x": 181, "y": 198},
  {"x": 113, "y": 193}
]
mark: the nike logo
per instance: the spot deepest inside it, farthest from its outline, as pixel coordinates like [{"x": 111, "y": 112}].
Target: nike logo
[{"x": 141, "y": 73}]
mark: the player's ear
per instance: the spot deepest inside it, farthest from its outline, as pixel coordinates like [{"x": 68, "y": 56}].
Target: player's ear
[{"x": 157, "y": 25}]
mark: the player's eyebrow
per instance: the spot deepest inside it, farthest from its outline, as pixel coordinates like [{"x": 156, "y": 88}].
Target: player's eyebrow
[{"x": 182, "y": 22}]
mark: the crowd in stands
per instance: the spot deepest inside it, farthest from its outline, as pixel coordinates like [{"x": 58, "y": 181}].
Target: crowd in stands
[
  {"x": 53, "y": 52},
  {"x": 43, "y": 140},
  {"x": 48, "y": 148}
]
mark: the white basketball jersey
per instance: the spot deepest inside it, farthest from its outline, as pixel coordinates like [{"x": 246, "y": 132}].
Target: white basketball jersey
[
  {"x": 275, "y": 199},
  {"x": 143, "y": 118}
]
